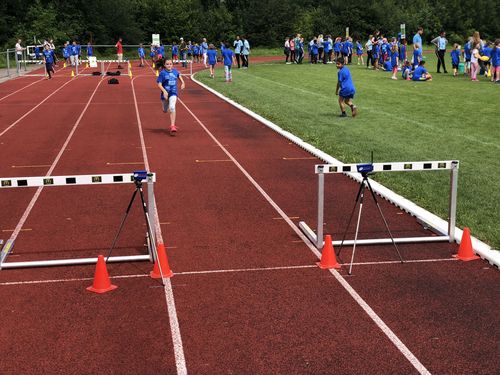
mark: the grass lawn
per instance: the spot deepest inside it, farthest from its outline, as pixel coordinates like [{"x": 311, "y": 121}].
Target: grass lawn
[{"x": 448, "y": 118}]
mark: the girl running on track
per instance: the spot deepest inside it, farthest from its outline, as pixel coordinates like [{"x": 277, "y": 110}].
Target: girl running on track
[{"x": 167, "y": 82}]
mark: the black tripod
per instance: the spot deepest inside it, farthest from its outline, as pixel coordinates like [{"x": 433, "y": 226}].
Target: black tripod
[
  {"x": 359, "y": 198},
  {"x": 150, "y": 235}
]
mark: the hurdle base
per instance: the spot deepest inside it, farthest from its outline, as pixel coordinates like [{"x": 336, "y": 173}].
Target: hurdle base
[{"x": 311, "y": 235}]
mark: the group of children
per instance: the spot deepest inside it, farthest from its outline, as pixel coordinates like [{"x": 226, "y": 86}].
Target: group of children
[{"x": 321, "y": 49}]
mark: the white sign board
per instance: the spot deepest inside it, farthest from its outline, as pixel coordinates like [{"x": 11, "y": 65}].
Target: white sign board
[
  {"x": 93, "y": 61},
  {"x": 403, "y": 31},
  {"x": 156, "y": 39}
]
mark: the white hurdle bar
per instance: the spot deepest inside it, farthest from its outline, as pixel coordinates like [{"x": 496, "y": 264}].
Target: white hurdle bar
[
  {"x": 322, "y": 169},
  {"x": 95, "y": 179},
  {"x": 102, "y": 62}
]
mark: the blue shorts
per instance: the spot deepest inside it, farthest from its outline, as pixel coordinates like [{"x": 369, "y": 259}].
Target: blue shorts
[{"x": 351, "y": 96}]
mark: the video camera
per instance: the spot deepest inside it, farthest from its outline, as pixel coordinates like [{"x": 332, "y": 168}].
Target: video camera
[
  {"x": 364, "y": 169},
  {"x": 140, "y": 175}
]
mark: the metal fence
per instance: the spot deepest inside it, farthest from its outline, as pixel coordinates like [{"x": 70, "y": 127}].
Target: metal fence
[{"x": 11, "y": 64}]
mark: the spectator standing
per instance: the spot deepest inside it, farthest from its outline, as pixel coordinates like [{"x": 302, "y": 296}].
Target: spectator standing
[
  {"x": 417, "y": 39},
  {"x": 238, "y": 45},
  {"x": 245, "y": 52},
  {"x": 204, "y": 49},
  {"x": 19, "y": 53},
  {"x": 440, "y": 42},
  {"x": 119, "y": 52}
]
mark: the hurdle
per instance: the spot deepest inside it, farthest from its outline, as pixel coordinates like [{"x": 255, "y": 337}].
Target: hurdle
[
  {"x": 74, "y": 180},
  {"x": 352, "y": 171},
  {"x": 96, "y": 63}
]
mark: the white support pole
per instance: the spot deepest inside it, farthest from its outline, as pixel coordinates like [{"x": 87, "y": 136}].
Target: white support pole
[
  {"x": 453, "y": 200},
  {"x": 152, "y": 215},
  {"x": 321, "y": 204}
]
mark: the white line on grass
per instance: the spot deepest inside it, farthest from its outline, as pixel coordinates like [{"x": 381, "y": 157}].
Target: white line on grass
[
  {"x": 180, "y": 360},
  {"x": 371, "y": 313}
]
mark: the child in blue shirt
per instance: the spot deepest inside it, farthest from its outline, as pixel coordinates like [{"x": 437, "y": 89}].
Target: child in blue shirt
[
  {"x": 417, "y": 55},
  {"x": 228, "y": 57},
  {"x": 359, "y": 52},
  {"x": 140, "y": 52},
  {"x": 48, "y": 59},
  {"x": 345, "y": 88},
  {"x": 455, "y": 58},
  {"x": 406, "y": 70},
  {"x": 90, "y": 50},
  {"x": 167, "y": 83},
  {"x": 394, "y": 60},
  {"x": 212, "y": 59},
  {"x": 420, "y": 73},
  {"x": 495, "y": 62},
  {"x": 175, "y": 52}
]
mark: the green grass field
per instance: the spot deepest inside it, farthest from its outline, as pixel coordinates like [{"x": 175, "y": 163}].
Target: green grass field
[{"x": 448, "y": 118}]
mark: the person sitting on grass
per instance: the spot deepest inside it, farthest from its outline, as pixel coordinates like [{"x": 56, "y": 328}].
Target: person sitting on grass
[
  {"x": 406, "y": 70},
  {"x": 420, "y": 73},
  {"x": 167, "y": 83},
  {"x": 345, "y": 88}
]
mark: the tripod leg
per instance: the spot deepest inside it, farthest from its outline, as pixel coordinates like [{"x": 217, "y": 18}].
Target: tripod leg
[
  {"x": 350, "y": 217},
  {"x": 385, "y": 221},
  {"x": 121, "y": 224},
  {"x": 357, "y": 230},
  {"x": 148, "y": 224}
]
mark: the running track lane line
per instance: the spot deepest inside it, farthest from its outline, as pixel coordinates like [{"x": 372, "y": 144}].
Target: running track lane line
[
  {"x": 180, "y": 360},
  {"x": 21, "y": 89},
  {"x": 54, "y": 163},
  {"x": 32, "y": 109},
  {"x": 371, "y": 313}
]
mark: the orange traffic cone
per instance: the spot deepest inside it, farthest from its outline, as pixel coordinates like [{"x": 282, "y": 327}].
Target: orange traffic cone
[
  {"x": 161, "y": 262},
  {"x": 328, "y": 259},
  {"x": 72, "y": 74},
  {"x": 465, "y": 251},
  {"x": 101, "y": 278}
]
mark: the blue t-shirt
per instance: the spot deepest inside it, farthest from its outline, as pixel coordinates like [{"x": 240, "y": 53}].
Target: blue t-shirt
[
  {"x": 168, "y": 80},
  {"x": 467, "y": 51},
  {"x": 227, "y": 54},
  {"x": 48, "y": 56},
  {"x": 417, "y": 56},
  {"x": 204, "y": 47},
  {"x": 495, "y": 57},
  {"x": 359, "y": 48},
  {"x": 74, "y": 50},
  {"x": 345, "y": 82},
  {"x": 314, "y": 48},
  {"x": 212, "y": 56},
  {"x": 326, "y": 45},
  {"x": 90, "y": 51},
  {"x": 487, "y": 51},
  {"x": 402, "y": 52},
  {"x": 405, "y": 68},
  {"x": 140, "y": 51},
  {"x": 161, "y": 50},
  {"x": 455, "y": 56},
  {"x": 394, "y": 58},
  {"x": 336, "y": 47},
  {"x": 418, "y": 73},
  {"x": 417, "y": 39},
  {"x": 175, "y": 49}
]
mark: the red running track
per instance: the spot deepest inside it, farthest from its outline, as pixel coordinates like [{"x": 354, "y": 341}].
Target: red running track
[{"x": 247, "y": 296}]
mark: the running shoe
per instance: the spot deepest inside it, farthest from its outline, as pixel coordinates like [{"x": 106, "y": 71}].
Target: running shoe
[{"x": 173, "y": 130}]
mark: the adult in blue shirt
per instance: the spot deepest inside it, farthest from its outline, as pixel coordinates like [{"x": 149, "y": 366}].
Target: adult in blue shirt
[
  {"x": 48, "y": 59},
  {"x": 238, "y": 45},
  {"x": 167, "y": 83},
  {"x": 420, "y": 73},
  {"x": 417, "y": 39},
  {"x": 345, "y": 88},
  {"x": 440, "y": 42}
]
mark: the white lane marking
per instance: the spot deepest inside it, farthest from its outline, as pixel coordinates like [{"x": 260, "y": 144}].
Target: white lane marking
[
  {"x": 31, "y": 110},
  {"x": 58, "y": 157},
  {"x": 208, "y": 272},
  {"x": 21, "y": 89},
  {"x": 180, "y": 360},
  {"x": 371, "y": 313}
]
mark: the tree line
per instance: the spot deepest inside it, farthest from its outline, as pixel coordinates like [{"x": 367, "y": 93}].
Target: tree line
[{"x": 263, "y": 22}]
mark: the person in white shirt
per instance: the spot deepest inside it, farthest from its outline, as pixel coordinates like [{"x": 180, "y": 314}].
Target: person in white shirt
[{"x": 19, "y": 51}]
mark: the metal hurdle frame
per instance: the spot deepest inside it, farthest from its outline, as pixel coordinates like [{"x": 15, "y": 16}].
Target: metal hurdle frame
[
  {"x": 95, "y": 179},
  {"x": 322, "y": 169},
  {"x": 103, "y": 71}
]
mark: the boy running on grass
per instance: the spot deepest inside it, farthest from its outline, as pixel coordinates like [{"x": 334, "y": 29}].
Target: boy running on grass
[
  {"x": 346, "y": 87},
  {"x": 167, "y": 82}
]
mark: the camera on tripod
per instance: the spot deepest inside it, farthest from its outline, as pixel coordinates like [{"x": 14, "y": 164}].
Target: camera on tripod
[
  {"x": 364, "y": 169},
  {"x": 140, "y": 175}
]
